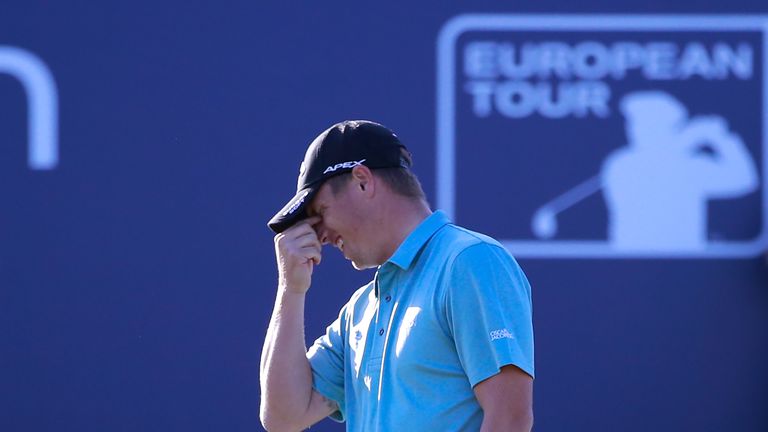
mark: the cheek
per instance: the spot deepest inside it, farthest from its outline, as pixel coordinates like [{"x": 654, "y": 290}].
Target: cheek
[
  {"x": 345, "y": 218},
  {"x": 334, "y": 224}
]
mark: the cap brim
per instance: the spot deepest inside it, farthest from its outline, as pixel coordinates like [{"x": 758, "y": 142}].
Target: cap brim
[{"x": 294, "y": 211}]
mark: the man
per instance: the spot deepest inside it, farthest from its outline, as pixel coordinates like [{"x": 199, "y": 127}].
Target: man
[
  {"x": 657, "y": 188},
  {"x": 440, "y": 340}
]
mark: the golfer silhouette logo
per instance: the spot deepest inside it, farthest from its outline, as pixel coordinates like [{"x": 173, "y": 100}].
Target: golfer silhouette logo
[{"x": 657, "y": 187}]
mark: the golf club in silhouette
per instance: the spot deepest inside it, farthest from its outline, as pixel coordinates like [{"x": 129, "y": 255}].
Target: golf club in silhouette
[{"x": 544, "y": 223}]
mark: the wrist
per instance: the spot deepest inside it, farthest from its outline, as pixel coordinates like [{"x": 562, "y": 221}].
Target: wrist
[{"x": 289, "y": 289}]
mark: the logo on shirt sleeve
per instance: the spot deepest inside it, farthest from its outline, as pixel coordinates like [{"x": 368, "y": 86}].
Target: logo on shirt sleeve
[{"x": 501, "y": 334}]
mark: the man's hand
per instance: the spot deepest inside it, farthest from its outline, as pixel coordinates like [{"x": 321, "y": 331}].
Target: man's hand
[
  {"x": 288, "y": 402},
  {"x": 298, "y": 250}
]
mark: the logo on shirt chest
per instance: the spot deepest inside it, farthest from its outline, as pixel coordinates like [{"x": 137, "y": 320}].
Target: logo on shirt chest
[{"x": 406, "y": 325}]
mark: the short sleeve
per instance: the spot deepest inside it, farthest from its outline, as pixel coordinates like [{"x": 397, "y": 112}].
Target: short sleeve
[
  {"x": 489, "y": 312},
  {"x": 326, "y": 358}
]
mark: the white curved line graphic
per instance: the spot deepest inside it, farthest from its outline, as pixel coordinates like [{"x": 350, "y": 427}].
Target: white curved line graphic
[{"x": 42, "y": 105}]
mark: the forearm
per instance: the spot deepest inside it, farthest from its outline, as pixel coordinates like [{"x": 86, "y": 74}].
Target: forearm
[
  {"x": 286, "y": 377},
  {"x": 498, "y": 424},
  {"x": 507, "y": 401}
]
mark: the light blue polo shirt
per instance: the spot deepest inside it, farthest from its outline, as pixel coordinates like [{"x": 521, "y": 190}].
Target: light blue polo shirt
[{"x": 446, "y": 311}]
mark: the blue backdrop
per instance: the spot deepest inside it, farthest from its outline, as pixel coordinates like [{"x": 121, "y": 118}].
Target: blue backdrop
[{"x": 137, "y": 273}]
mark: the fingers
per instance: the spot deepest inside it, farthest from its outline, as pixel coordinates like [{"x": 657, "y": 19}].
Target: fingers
[
  {"x": 308, "y": 241},
  {"x": 313, "y": 253},
  {"x": 303, "y": 227},
  {"x": 298, "y": 249},
  {"x": 312, "y": 220},
  {"x": 301, "y": 242},
  {"x": 297, "y": 231}
]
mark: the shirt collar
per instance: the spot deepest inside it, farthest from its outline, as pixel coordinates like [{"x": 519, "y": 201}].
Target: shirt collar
[{"x": 406, "y": 252}]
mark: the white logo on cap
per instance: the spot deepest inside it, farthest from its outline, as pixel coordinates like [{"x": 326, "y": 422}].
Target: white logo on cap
[
  {"x": 350, "y": 164},
  {"x": 296, "y": 205}
]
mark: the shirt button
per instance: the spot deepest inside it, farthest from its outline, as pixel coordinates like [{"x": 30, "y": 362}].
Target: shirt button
[
  {"x": 388, "y": 298},
  {"x": 381, "y": 332}
]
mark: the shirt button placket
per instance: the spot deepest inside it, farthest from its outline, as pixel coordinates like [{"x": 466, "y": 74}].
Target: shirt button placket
[{"x": 386, "y": 311}]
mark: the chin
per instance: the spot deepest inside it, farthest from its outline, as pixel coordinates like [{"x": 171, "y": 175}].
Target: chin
[{"x": 360, "y": 266}]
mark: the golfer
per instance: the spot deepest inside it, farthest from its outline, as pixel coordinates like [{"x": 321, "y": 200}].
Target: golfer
[{"x": 440, "y": 340}]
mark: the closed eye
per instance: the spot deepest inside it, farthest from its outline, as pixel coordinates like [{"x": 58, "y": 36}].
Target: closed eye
[{"x": 315, "y": 212}]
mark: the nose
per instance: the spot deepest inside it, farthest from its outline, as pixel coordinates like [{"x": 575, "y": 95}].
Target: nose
[{"x": 322, "y": 233}]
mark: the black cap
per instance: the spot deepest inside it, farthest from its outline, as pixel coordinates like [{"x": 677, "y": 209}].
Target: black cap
[{"x": 337, "y": 150}]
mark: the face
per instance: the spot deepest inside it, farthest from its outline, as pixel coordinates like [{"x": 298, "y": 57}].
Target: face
[{"x": 343, "y": 223}]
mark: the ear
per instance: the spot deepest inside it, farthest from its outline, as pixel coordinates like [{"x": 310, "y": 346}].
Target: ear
[{"x": 363, "y": 180}]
